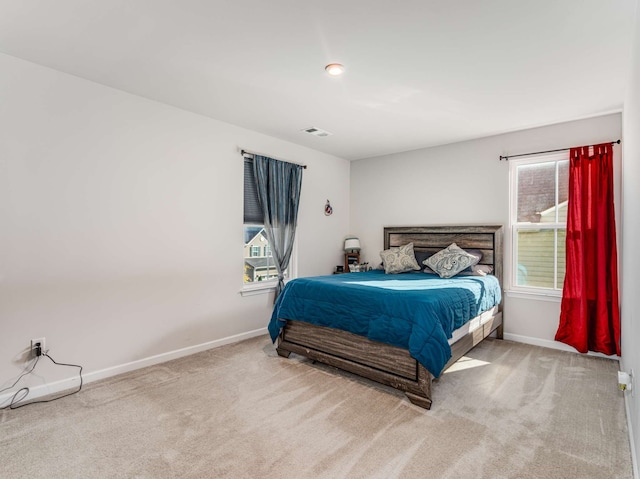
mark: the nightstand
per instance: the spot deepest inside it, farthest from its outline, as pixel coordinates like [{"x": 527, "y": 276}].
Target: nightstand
[{"x": 351, "y": 258}]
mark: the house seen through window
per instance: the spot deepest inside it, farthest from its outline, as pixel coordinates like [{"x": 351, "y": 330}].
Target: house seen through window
[
  {"x": 258, "y": 261},
  {"x": 539, "y": 193}
]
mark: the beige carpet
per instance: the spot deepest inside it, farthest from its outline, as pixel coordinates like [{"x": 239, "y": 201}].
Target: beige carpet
[{"x": 507, "y": 410}]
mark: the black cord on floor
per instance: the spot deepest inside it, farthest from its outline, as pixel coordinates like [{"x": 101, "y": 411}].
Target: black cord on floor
[{"x": 13, "y": 404}]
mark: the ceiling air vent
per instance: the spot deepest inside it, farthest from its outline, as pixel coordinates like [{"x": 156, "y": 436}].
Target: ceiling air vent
[{"x": 312, "y": 130}]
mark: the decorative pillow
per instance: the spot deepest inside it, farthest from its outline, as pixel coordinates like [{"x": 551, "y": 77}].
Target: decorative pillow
[
  {"x": 421, "y": 256},
  {"x": 475, "y": 270},
  {"x": 450, "y": 261},
  {"x": 399, "y": 260}
]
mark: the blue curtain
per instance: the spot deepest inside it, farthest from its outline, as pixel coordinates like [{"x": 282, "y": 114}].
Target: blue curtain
[{"x": 278, "y": 184}]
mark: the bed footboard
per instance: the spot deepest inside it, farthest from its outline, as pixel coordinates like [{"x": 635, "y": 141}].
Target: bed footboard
[
  {"x": 383, "y": 363},
  {"x": 379, "y": 362}
]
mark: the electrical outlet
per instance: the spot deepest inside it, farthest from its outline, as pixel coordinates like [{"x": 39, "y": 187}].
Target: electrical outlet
[{"x": 37, "y": 346}]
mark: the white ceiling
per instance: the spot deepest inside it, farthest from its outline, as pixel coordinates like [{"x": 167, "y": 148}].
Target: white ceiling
[{"x": 419, "y": 73}]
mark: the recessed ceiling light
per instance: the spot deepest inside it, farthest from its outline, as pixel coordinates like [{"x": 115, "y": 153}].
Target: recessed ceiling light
[{"x": 334, "y": 69}]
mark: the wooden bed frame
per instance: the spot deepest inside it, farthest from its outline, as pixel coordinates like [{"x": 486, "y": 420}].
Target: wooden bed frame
[{"x": 387, "y": 364}]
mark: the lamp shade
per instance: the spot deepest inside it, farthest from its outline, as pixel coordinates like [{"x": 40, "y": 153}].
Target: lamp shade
[{"x": 351, "y": 245}]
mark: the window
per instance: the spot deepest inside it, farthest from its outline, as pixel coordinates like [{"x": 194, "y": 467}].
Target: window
[
  {"x": 258, "y": 261},
  {"x": 539, "y": 194},
  {"x": 259, "y": 264}
]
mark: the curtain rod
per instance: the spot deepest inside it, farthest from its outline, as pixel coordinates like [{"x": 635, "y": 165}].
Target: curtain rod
[
  {"x": 541, "y": 152},
  {"x": 250, "y": 153}
]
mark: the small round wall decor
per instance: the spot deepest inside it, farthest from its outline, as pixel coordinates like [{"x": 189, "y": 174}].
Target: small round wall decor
[{"x": 328, "y": 209}]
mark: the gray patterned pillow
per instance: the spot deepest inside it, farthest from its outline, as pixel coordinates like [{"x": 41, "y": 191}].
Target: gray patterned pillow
[
  {"x": 450, "y": 261},
  {"x": 399, "y": 260}
]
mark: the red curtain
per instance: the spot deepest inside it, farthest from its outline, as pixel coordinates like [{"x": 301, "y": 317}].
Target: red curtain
[{"x": 590, "y": 316}]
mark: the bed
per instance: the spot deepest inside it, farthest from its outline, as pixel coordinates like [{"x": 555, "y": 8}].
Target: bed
[{"x": 304, "y": 324}]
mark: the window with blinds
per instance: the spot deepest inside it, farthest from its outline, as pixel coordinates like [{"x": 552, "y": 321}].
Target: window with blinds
[
  {"x": 538, "y": 212},
  {"x": 252, "y": 210}
]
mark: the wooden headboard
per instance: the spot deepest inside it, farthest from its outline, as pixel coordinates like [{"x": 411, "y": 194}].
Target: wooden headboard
[{"x": 432, "y": 239}]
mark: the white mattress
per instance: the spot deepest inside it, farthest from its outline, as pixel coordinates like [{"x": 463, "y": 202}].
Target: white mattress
[{"x": 472, "y": 325}]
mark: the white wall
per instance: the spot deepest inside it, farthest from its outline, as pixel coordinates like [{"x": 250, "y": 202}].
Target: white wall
[
  {"x": 630, "y": 260},
  {"x": 121, "y": 230},
  {"x": 465, "y": 183}
]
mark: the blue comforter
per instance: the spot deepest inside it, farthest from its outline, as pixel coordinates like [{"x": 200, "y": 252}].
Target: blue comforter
[{"x": 415, "y": 311}]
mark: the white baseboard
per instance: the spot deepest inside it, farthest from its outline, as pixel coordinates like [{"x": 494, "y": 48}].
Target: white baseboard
[
  {"x": 73, "y": 382},
  {"x": 545, "y": 343}
]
